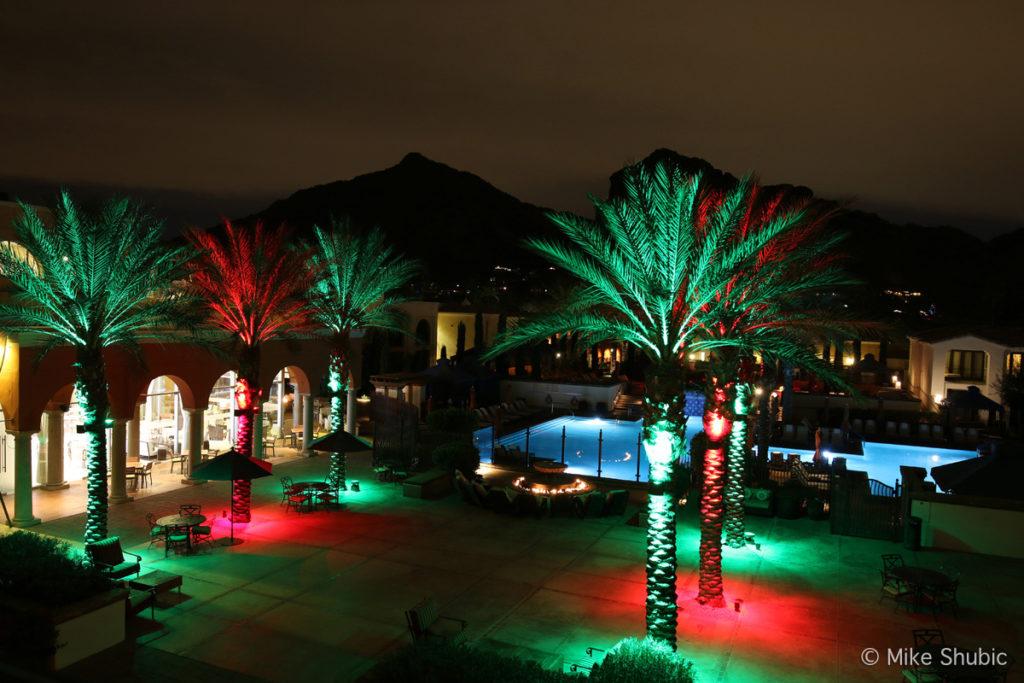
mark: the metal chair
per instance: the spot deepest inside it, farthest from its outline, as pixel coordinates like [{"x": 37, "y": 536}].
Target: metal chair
[
  {"x": 190, "y": 509},
  {"x": 176, "y": 537},
  {"x": 156, "y": 532},
  {"x": 286, "y": 488},
  {"x": 941, "y": 597},
  {"x": 145, "y": 474}
]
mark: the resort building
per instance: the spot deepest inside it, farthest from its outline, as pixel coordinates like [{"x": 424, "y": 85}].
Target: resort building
[{"x": 944, "y": 362}]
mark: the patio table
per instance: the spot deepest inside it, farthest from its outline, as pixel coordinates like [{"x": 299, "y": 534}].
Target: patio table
[
  {"x": 310, "y": 487},
  {"x": 296, "y": 432},
  {"x": 920, "y": 579},
  {"x": 182, "y": 522}
]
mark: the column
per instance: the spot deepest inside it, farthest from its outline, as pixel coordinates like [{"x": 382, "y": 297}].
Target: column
[
  {"x": 194, "y": 440},
  {"x": 23, "y": 516},
  {"x": 133, "y": 434},
  {"x": 257, "y": 437},
  {"x": 296, "y": 408},
  {"x": 350, "y": 408},
  {"x": 118, "y": 458},
  {"x": 307, "y": 423},
  {"x": 280, "y": 405},
  {"x": 55, "y": 451}
]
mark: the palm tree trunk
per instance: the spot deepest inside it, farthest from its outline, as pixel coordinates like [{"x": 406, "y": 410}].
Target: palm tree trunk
[
  {"x": 735, "y": 520},
  {"x": 248, "y": 401},
  {"x": 717, "y": 426},
  {"x": 91, "y": 385},
  {"x": 663, "y": 431},
  {"x": 337, "y": 383}
]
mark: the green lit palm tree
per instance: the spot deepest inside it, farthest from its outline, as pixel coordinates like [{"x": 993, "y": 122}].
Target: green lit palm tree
[
  {"x": 92, "y": 280},
  {"x": 252, "y": 283},
  {"x": 359, "y": 281},
  {"x": 650, "y": 269}
]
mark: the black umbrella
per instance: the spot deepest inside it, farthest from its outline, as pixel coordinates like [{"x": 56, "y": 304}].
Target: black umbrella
[
  {"x": 339, "y": 442},
  {"x": 232, "y": 466},
  {"x": 997, "y": 476}
]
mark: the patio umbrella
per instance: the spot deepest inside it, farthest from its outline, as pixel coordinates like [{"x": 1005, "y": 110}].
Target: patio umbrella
[
  {"x": 339, "y": 442},
  {"x": 998, "y": 475},
  {"x": 231, "y": 466}
]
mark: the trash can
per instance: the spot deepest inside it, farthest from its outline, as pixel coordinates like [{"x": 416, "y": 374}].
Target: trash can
[{"x": 912, "y": 533}]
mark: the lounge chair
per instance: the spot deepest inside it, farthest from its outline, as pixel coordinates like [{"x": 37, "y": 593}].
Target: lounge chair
[
  {"x": 972, "y": 435},
  {"x": 527, "y": 504},
  {"x": 801, "y": 433},
  {"x": 836, "y": 441},
  {"x": 938, "y": 433},
  {"x": 426, "y": 624},
  {"x": 777, "y": 460},
  {"x": 788, "y": 432},
  {"x": 498, "y": 500},
  {"x": 869, "y": 427},
  {"x": 904, "y": 430},
  {"x": 890, "y": 428},
  {"x": 590, "y": 505},
  {"x": 616, "y": 502},
  {"x": 110, "y": 558},
  {"x": 857, "y": 425},
  {"x": 958, "y": 435}
]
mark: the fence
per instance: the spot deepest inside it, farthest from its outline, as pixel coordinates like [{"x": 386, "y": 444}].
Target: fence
[
  {"x": 394, "y": 429},
  {"x": 865, "y": 507}
]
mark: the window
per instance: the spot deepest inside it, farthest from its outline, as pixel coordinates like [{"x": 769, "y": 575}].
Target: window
[
  {"x": 966, "y": 365},
  {"x": 1014, "y": 362}
]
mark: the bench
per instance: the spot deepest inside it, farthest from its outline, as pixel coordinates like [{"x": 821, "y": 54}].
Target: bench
[
  {"x": 433, "y": 483},
  {"x": 425, "y": 624},
  {"x": 110, "y": 558}
]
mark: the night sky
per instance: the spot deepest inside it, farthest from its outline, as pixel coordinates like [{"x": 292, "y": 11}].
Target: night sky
[{"x": 910, "y": 109}]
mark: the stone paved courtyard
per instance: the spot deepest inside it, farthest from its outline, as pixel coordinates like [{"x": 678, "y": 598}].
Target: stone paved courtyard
[{"x": 320, "y": 596}]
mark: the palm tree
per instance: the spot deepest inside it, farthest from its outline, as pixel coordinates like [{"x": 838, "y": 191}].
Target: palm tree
[
  {"x": 649, "y": 267},
  {"x": 92, "y": 280},
  {"x": 359, "y": 281},
  {"x": 770, "y": 309},
  {"x": 252, "y": 283}
]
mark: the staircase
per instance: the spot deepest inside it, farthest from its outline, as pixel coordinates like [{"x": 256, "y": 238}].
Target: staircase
[{"x": 627, "y": 406}]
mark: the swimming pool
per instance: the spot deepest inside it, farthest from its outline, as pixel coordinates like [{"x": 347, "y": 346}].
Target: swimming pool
[{"x": 619, "y": 456}]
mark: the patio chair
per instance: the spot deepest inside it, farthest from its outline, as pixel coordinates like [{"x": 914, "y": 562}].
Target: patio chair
[
  {"x": 616, "y": 502},
  {"x": 178, "y": 459},
  {"x": 156, "y": 532},
  {"x": 499, "y": 501},
  {"x": 268, "y": 446},
  {"x": 297, "y": 501},
  {"x": 777, "y": 460},
  {"x": 145, "y": 474},
  {"x": 894, "y": 589},
  {"x": 286, "y": 488},
  {"x": 942, "y": 597},
  {"x": 176, "y": 537},
  {"x": 426, "y": 624},
  {"x": 466, "y": 489},
  {"x": 590, "y": 505},
  {"x": 891, "y": 561},
  {"x": 327, "y": 497},
  {"x": 202, "y": 533},
  {"x": 924, "y": 637},
  {"x": 110, "y": 558},
  {"x": 190, "y": 509},
  {"x": 527, "y": 504}
]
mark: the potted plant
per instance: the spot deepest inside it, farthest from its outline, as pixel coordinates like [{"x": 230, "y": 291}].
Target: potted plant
[{"x": 58, "y": 608}]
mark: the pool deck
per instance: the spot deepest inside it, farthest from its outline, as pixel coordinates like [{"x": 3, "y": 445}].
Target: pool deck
[{"x": 321, "y": 596}]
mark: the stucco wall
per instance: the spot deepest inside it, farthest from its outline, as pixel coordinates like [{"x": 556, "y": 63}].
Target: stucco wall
[{"x": 971, "y": 525}]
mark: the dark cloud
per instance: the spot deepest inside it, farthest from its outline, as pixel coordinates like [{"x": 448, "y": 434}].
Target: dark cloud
[{"x": 912, "y": 105}]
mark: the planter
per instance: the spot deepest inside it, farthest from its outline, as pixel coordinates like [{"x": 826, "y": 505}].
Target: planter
[{"x": 83, "y": 628}]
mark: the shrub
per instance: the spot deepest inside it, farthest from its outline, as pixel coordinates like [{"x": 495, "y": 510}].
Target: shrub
[
  {"x": 452, "y": 420},
  {"x": 442, "y": 663},
  {"x": 44, "y": 570},
  {"x": 643, "y": 661},
  {"x": 457, "y": 455}
]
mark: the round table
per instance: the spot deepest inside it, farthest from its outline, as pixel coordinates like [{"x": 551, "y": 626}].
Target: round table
[
  {"x": 180, "y": 521},
  {"x": 918, "y": 579},
  {"x": 312, "y": 486}
]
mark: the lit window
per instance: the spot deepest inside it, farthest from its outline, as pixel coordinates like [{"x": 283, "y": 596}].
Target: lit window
[
  {"x": 1014, "y": 362},
  {"x": 966, "y": 365}
]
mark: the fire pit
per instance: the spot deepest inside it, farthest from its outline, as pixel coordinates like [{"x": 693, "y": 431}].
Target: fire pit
[{"x": 551, "y": 485}]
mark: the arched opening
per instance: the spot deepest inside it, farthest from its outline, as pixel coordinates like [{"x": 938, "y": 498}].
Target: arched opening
[
  {"x": 7, "y": 457},
  {"x": 163, "y": 422},
  {"x": 421, "y": 358},
  {"x": 219, "y": 417},
  {"x": 284, "y": 414}
]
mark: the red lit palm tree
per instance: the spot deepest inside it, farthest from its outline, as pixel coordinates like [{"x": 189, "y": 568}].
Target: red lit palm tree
[
  {"x": 252, "y": 281},
  {"x": 772, "y": 308}
]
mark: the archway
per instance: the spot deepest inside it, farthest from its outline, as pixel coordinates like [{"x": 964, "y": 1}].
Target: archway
[
  {"x": 219, "y": 417},
  {"x": 283, "y": 413},
  {"x": 163, "y": 422}
]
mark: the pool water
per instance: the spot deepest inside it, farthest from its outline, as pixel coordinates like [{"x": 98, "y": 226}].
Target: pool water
[{"x": 619, "y": 456}]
